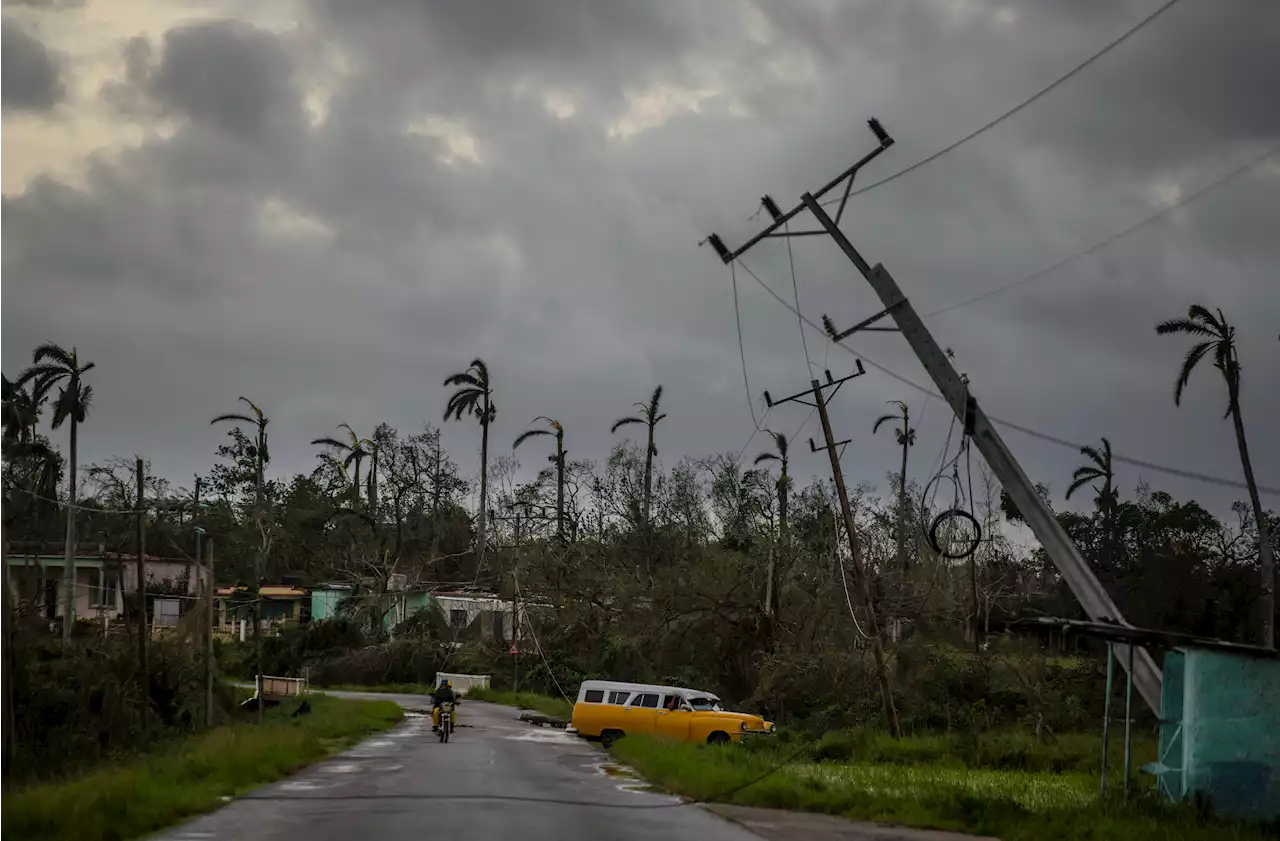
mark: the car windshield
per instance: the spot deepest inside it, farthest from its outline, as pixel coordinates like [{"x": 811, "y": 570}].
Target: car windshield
[{"x": 704, "y": 704}]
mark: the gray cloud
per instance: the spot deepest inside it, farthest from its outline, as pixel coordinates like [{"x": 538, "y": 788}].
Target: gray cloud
[
  {"x": 226, "y": 74},
  {"x": 338, "y": 270},
  {"x": 32, "y": 78}
]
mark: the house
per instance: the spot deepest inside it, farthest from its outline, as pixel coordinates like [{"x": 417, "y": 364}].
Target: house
[
  {"x": 479, "y": 615},
  {"x": 397, "y": 605},
  {"x": 102, "y": 581},
  {"x": 280, "y": 604}
]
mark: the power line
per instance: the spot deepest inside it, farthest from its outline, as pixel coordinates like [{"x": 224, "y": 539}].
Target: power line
[
  {"x": 1015, "y": 109},
  {"x": 1146, "y": 465},
  {"x": 1101, "y": 244}
]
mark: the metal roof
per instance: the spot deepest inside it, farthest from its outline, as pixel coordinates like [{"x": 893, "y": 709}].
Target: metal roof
[{"x": 1144, "y": 636}]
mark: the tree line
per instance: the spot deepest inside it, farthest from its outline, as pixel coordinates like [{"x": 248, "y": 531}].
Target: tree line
[{"x": 715, "y": 569}]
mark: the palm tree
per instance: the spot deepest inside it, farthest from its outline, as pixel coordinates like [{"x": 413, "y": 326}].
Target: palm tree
[
  {"x": 352, "y": 451},
  {"x": 1219, "y": 340},
  {"x": 260, "y": 459},
  {"x": 558, "y": 460},
  {"x": 647, "y": 414},
  {"x": 21, "y": 411},
  {"x": 780, "y": 456},
  {"x": 906, "y": 436},
  {"x": 1099, "y": 469},
  {"x": 52, "y": 365},
  {"x": 475, "y": 397}
]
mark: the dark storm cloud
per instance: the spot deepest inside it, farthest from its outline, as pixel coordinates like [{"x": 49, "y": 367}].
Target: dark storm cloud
[
  {"x": 229, "y": 75},
  {"x": 337, "y": 271},
  {"x": 32, "y": 79}
]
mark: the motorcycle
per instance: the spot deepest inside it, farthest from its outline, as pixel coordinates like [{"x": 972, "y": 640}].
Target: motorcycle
[{"x": 445, "y": 725}]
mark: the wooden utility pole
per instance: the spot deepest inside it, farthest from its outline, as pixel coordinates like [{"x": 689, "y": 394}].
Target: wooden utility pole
[
  {"x": 817, "y": 392},
  {"x": 9, "y": 654},
  {"x": 141, "y": 539},
  {"x": 209, "y": 665}
]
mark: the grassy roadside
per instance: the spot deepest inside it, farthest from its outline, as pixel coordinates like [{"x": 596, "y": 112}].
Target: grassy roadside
[
  {"x": 190, "y": 776},
  {"x": 1010, "y": 804},
  {"x": 388, "y": 688},
  {"x": 557, "y": 707}
]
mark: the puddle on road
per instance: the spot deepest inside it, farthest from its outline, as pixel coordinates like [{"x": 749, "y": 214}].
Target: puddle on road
[{"x": 609, "y": 769}]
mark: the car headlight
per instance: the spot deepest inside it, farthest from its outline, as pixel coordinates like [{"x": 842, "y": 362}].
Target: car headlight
[
  {"x": 773, "y": 728},
  {"x": 744, "y": 725}
]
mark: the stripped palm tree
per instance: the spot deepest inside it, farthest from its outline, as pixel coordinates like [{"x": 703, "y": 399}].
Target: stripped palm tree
[
  {"x": 647, "y": 415},
  {"x": 780, "y": 457},
  {"x": 52, "y": 366},
  {"x": 1219, "y": 341},
  {"x": 906, "y": 436},
  {"x": 1099, "y": 469},
  {"x": 347, "y": 453},
  {"x": 475, "y": 397},
  {"x": 558, "y": 460},
  {"x": 258, "y": 451}
]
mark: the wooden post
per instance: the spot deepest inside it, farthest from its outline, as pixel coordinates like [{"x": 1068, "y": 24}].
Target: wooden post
[
  {"x": 144, "y": 677},
  {"x": 855, "y": 549}
]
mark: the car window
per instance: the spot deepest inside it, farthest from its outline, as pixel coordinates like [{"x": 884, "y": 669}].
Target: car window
[
  {"x": 619, "y": 696},
  {"x": 702, "y": 704},
  {"x": 647, "y": 700},
  {"x": 594, "y": 696}
]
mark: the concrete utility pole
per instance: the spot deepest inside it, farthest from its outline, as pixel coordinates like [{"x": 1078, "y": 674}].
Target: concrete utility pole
[
  {"x": 1092, "y": 596},
  {"x": 7, "y": 728},
  {"x": 140, "y": 470},
  {"x": 820, "y": 400}
]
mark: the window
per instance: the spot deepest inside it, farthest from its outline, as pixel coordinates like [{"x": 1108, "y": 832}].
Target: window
[
  {"x": 619, "y": 697},
  {"x": 703, "y": 704},
  {"x": 672, "y": 702},
  {"x": 457, "y": 618},
  {"x": 104, "y": 594},
  {"x": 647, "y": 700},
  {"x": 498, "y": 627},
  {"x": 594, "y": 696}
]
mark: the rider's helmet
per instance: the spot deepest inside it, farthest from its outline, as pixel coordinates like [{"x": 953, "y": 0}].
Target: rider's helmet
[{"x": 444, "y": 682}]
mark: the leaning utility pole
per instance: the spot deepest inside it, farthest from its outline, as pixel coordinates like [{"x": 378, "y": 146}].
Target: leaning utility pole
[
  {"x": 820, "y": 399},
  {"x": 140, "y": 536},
  {"x": 1092, "y": 596}
]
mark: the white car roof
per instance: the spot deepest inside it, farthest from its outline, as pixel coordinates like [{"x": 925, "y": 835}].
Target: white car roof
[{"x": 614, "y": 685}]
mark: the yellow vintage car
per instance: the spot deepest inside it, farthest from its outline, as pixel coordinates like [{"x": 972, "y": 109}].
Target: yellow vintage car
[{"x": 608, "y": 710}]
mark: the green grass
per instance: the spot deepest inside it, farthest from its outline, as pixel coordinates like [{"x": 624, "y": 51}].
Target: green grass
[
  {"x": 557, "y": 707},
  {"x": 191, "y": 775},
  {"x": 390, "y": 688},
  {"x": 1010, "y": 804}
]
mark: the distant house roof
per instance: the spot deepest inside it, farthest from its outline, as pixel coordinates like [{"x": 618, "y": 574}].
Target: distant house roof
[{"x": 267, "y": 591}]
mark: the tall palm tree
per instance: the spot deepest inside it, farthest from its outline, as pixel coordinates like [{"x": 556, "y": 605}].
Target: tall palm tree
[
  {"x": 53, "y": 365},
  {"x": 1218, "y": 338},
  {"x": 475, "y": 397},
  {"x": 353, "y": 451},
  {"x": 906, "y": 436},
  {"x": 647, "y": 415},
  {"x": 1099, "y": 469},
  {"x": 261, "y": 457},
  {"x": 780, "y": 457},
  {"x": 558, "y": 460},
  {"x": 21, "y": 412}
]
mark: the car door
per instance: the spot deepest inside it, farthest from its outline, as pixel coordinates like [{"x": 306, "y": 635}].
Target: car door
[
  {"x": 641, "y": 712},
  {"x": 674, "y": 724}
]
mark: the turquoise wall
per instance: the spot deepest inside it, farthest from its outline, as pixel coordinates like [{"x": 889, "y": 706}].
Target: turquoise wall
[{"x": 1231, "y": 732}]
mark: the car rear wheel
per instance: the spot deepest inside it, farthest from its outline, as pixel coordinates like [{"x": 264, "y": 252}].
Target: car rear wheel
[
  {"x": 608, "y": 737},
  {"x": 718, "y": 738}
]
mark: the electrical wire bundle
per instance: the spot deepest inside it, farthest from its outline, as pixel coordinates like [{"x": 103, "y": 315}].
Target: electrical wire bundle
[{"x": 961, "y": 510}]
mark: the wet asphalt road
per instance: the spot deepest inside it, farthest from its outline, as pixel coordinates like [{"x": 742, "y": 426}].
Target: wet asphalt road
[{"x": 497, "y": 778}]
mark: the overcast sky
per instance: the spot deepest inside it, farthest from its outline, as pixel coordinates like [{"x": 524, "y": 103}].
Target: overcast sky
[{"x": 330, "y": 206}]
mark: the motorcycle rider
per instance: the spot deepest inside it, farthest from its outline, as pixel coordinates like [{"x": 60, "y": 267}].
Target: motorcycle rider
[{"x": 444, "y": 692}]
